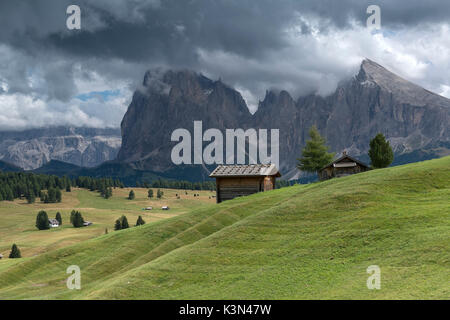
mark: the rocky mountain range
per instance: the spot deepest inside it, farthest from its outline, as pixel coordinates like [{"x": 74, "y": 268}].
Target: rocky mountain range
[
  {"x": 415, "y": 121},
  {"x": 86, "y": 147}
]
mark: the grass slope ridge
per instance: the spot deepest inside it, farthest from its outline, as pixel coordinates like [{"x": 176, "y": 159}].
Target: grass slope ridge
[{"x": 312, "y": 241}]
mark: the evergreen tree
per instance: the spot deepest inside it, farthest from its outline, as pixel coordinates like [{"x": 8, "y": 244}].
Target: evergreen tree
[
  {"x": 30, "y": 197},
  {"x": 51, "y": 195},
  {"x": 140, "y": 221},
  {"x": 159, "y": 194},
  {"x": 380, "y": 152},
  {"x": 9, "y": 195},
  {"x": 118, "y": 225},
  {"x": 150, "y": 193},
  {"x": 77, "y": 220},
  {"x": 131, "y": 195},
  {"x": 58, "y": 195},
  {"x": 72, "y": 215},
  {"x": 42, "y": 221},
  {"x": 59, "y": 218},
  {"x": 315, "y": 155},
  {"x": 108, "y": 193},
  {"x": 15, "y": 252},
  {"x": 124, "y": 222},
  {"x": 68, "y": 188}
]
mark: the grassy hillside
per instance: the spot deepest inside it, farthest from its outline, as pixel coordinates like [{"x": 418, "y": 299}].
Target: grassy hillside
[
  {"x": 17, "y": 218},
  {"x": 310, "y": 241}
]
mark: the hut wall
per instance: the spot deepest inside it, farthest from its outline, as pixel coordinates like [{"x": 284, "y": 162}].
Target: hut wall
[{"x": 230, "y": 188}]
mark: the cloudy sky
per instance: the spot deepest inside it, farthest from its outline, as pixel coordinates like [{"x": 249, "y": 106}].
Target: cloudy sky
[{"x": 50, "y": 75}]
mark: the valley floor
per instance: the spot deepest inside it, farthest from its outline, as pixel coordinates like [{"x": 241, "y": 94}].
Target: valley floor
[{"x": 311, "y": 241}]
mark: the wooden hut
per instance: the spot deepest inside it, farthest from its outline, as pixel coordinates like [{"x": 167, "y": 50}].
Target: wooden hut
[
  {"x": 343, "y": 166},
  {"x": 241, "y": 180}
]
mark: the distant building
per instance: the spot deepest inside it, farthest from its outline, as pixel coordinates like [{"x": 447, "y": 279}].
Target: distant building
[
  {"x": 53, "y": 223},
  {"x": 86, "y": 223},
  {"x": 343, "y": 166},
  {"x": 242, "y": 180},
  {"x": 165, "y": 208}
]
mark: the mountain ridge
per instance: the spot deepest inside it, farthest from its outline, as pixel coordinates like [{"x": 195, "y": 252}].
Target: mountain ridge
[
  {"x": 33, "y": 148},
  {"x": 374, "y": 100}
]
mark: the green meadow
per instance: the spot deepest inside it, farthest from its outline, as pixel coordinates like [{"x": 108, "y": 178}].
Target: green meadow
[{"x": 303, "y": 242}]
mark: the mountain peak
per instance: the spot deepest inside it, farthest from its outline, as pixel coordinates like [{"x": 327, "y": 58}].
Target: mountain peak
[{"x": 372, "y": 73}]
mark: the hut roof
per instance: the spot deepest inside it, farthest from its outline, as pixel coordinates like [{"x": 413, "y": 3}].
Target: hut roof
[
  {"x": 339, "y": 164},
  {"x": 245, "y": 170}
]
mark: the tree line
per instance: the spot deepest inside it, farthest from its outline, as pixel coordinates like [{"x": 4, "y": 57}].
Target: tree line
[
  {"x": 177, "y": 184},
  {"x": 19, "y": 185}
]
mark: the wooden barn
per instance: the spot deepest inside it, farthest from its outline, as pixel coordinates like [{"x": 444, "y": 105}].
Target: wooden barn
[
  {"x": 242, "y": 180},
  {"x": 343, "y": 166}
]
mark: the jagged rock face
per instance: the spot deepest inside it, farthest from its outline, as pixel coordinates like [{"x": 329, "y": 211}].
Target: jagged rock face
[
  {"x": 172, "y": 102},
  {"x": 87, "y": 147},
  {"x": 373, "y": 101}
]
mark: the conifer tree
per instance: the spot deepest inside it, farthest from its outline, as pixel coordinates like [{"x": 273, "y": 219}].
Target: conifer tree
[
  {"x": 51, "y": 195},
  {"x": 380, "y": 152},
  {"x": 15, "y": 252},
  {"x": 140, "y": 221},
  {"x": 124, "y": 222},
  {"x": 315, "y": 154},
  {"x": 150, "y": 193},
  {"x": 77, "y": 220},
  {"x": 58, "y": 195},
  {"x": 131, "y": 195},
  {"x": 59, "y": 218},
  {"x": 30, "y": 197},
  {"x": 42, "y": 221},
  {"x": 118, "y": 225}
]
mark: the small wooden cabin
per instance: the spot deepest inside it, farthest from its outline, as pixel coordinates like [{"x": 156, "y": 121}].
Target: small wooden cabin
[
  {"x": 343, "y": 166},
  {"x": 242, "y": 180}
]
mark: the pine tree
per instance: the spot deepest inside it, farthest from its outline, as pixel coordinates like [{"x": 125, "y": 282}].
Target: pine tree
[
  {"x": 108, "y": 193},
  {"x": 9, "y": 195},
  {"x": 68, "y": 188},
  {"x": 15, "y": 252},
  {"x": 42, "y": 221},
  {"x": 59, "y": 218},
  {"x": 159, "y": 194},
  {"x": 380, "y": 152},
  {"x": 77, "y": 220},
  {"x": 150, "y": 193},
  {"x": 72, "y": 216},
  {"x": 58, "y": 195},
  {"x": 131, "y": 195},
  {"x": 51, "y": 195},
  {"x": 140, "y": 221},
  {"x": 118, "y": 225},
  {"x": 30, "y": 197},
  {"x": 124, "y": 222},
  {"x": 315, "y": 155}
]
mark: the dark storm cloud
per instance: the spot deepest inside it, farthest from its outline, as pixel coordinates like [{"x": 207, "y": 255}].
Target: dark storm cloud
[
  {"x": 247, "y": 42},
  {"x": 172, "y": 30}
]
